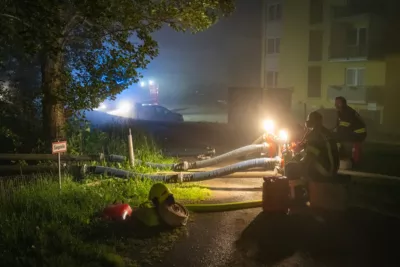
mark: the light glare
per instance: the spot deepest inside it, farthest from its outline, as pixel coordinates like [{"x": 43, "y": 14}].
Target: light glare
[
  {"x": 102, "y": 106},
  {"x": 268, "y": 126},
  {"x": 124, "y": 106},
  {"x": 151, "y": 82},
  {"x": 283, "y": 135},
  {"x": 142, "y": 84}
]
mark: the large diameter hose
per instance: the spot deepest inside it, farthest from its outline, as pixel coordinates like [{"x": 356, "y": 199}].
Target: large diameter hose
[
  {"x": 268, "y": 163},
  {"x": 230, "y": 155},
  {"x": 197, "y": 164}
]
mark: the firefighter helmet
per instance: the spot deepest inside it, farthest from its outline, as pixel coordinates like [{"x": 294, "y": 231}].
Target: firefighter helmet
[
  {"x": 159, "y": 193},
  {"x": 314, "y": 119}
]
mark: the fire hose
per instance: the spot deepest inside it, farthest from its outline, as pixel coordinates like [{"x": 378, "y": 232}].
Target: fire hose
[
  {"x": 224, "y": 206},
  {"x": 173, "y": 214},
  {"x": 267, "y": 163},
  {"x": 177, "y": 214},
  {"x": 183, "y": 166}
]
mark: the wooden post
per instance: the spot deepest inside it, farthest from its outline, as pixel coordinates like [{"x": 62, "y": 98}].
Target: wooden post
[{"x": 130, "y": 147}]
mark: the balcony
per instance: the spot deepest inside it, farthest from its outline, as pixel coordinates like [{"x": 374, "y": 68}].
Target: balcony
[
  {"x": 356, "y": 34},
  {"x": 346, "y": 14},
  {"x": 355, "y": 8},
  {"x": 357, "y": 94},
  {"x": 349, "y": 52}
]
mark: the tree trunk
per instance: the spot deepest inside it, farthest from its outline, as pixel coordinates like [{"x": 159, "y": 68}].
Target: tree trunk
[{"x": 52, "y": 104}]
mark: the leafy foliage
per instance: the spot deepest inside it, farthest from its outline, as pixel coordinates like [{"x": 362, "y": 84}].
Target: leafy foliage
[
  {"x": 41, "y": 226},
  {"x": 100, "y": 42}
]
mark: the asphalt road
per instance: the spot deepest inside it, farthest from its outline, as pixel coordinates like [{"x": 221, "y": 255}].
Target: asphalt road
[{"x": 252, "y": 238}]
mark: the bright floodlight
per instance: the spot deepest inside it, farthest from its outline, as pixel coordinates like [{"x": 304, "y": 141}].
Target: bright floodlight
[
  {"x": 268, "y": 126},
  {"x": 283, "y": 135},
  {"x": 124, "y": 109},
  {"x": 124, "y": 106},
  {"x": 151, "y": 82},
  {"x": 142, "y": 84}
]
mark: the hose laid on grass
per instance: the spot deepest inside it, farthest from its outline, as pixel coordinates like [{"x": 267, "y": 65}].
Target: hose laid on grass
[
  {"x": 197, "y": 164},
  {"x": 223, "y": 206},
  {"x": 268, "y": 163}
]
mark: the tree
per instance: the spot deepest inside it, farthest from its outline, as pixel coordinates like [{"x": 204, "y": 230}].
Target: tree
[{"x": 85, "y": 47}]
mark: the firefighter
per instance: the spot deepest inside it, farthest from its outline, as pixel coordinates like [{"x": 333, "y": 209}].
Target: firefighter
[
  {"x": 350, "y": 127},
  {"x": 321, "y": 160}
]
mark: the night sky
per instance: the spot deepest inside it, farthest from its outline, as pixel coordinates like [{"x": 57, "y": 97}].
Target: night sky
[{"x": 227, "y": 54}]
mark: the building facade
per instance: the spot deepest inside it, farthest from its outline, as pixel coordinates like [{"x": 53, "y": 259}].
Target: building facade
[{"x": 328, "y": 48}]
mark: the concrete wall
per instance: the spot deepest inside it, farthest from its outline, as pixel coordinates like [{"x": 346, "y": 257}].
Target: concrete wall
[{"x": 391, "y": 118}]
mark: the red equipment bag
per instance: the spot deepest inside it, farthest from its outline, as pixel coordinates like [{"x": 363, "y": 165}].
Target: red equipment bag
[
  {"x": 275, "y": 194},
  {"x": 356, "y": 152},
  {"x": 117, "y": 211}
]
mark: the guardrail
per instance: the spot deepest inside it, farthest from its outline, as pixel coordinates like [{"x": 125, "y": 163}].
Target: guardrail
[{"x": 51, "y": 157}]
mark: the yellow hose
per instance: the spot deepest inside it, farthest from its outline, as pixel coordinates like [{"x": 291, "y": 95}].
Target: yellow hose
[{"x": 223, "y": 206}]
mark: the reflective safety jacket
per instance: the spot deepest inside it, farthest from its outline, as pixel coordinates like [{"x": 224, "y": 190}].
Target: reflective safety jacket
[
  {"x": 323, "y": 149},
  {"x": 350, "y": 122}
]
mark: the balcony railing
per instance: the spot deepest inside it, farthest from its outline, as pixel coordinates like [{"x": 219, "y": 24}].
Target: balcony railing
[
  {"x": 348, "y": 52},
  {"x": 357, "y": 94},
  {"x": 340, "y": 12}
]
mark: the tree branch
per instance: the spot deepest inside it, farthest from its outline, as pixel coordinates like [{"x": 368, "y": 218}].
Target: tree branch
[
  {"x": 68, "y": 25},
  {"x": 15, "y": 18}
]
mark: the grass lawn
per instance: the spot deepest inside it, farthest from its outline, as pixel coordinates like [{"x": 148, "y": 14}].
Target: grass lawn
[{"x": 41, "y": 226}]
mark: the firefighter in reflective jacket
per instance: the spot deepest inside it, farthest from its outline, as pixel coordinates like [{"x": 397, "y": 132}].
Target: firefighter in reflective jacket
[
  {"x": 350, "y": 126},
  {"x": 321, "y": 160}
]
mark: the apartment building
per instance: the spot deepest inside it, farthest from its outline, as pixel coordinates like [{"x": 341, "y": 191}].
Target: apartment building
[{"x": 327, "y": 48}]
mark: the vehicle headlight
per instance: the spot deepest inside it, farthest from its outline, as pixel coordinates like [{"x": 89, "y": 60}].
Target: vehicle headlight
[
  {"x": 283, "y": 135},
  {"x": 268, "y": 126},
  {"x": 124, "y": 106}
]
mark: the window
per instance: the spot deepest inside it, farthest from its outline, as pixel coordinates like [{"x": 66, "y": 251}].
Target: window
[
  {"x": 314, "y": 81},
  {"x": 272, "y": 79},
  {"x": 316, "y": 11},
  {"x": 354, "y": 76},
  {"x": 277, "y": 45},
  {"x": 162, "y": 110},
  {"x": 315, "y": 46},
  {"x": 273, "y": 45},
  {"x": 356, "y": 36},
  {"x": 274, "y": 12}
]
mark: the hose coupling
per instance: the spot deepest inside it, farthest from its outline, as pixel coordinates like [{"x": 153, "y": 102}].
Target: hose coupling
[
  {"x": 265, "y": 147},
  {"x": 181, "y": 166},
  {"x": 180, "y": 177}
]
